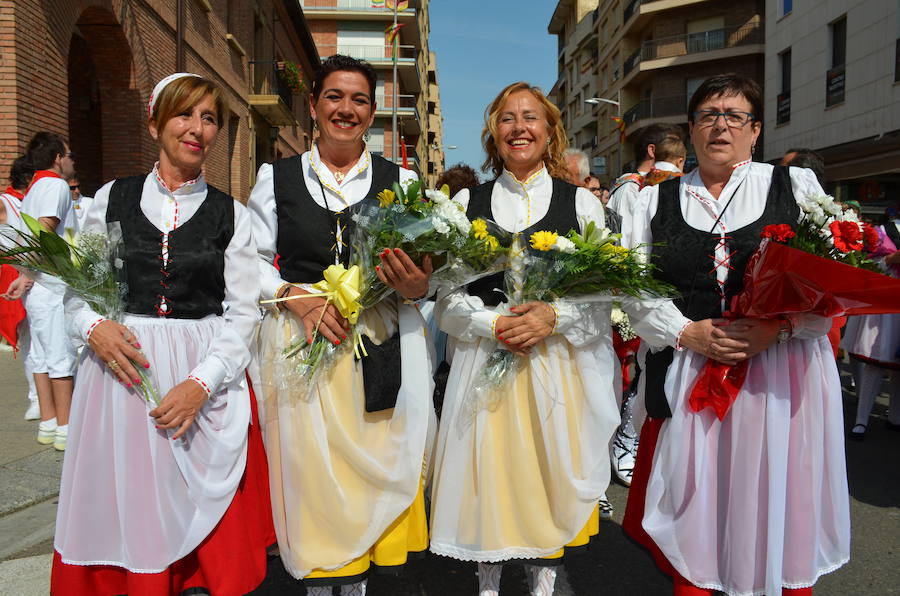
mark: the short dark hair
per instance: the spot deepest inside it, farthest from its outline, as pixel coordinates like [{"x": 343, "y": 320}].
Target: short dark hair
[
  {"x": 457, "y": 178},
  {"x": 340, "y": 62},
  {"x": 20, "y": 173},
  {"x": 729, "y": 84},
  {"x": 807, "y": 158},
  {"x": 653, "y": 135},
  {"x": 43, "y": 149}
]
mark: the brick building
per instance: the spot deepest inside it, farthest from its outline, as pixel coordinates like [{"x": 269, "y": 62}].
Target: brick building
[
  {"x": 85, "y": 69},
  {"x": 650, "y": 57},
  {"x": 357, "y": 28}
]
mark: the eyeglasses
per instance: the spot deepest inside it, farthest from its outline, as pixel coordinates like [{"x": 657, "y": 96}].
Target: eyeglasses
[
  {"x": 594, "y": 188},
  {"x": 70, "y": 155},
  {"x": 73, "y": 187},
  {"x": 732, "y": 119}
]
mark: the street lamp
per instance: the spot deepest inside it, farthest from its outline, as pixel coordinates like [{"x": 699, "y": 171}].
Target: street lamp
[{"x": 596, "y": 101}]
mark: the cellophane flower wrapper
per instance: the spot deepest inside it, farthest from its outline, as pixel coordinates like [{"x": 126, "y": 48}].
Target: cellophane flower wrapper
[
  {"x": 808, "y": 274},
  {"x": 92, "y": 267},
  {"x": 582, "y": 268}
]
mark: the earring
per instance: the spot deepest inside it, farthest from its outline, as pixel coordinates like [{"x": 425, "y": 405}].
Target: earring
[
  {"x": 549, "y": 141},
  {"x": 752, "y": 149},
  {"x": 366, "y": 136}
]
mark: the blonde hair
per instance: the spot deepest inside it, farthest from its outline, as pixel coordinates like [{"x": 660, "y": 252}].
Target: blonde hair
[
  {"x": 553, "y": 159},
  {"x": 183, "y": 94},
  {"x": 669, "y": 149}
]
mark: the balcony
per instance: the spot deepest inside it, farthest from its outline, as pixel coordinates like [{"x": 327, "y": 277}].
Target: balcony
[
  {"x": 407, "y": 110},
  {"x": 630, "y": 10},
  {"x": 637, "y": 14},
  {"x": 671, "y": 107},
  {"x": 358, "y": 9},
  {"x": 272, "y": 97},
  {"x": 380, "y": 56},
  {"x": 783, "y": 108},
  {"x": 694, "y": 47},
  {"x": 834, "y": 86}
]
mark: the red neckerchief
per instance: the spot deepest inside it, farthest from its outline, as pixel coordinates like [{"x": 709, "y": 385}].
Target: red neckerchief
[
  {"x": 42, "y": 174},
  {"x": 13, "y": 192}
]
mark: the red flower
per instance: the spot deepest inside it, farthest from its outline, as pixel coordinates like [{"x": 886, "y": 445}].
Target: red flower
[
  {"x": 847, "y": 236},
  {"x": 778, "y": 233},
  {"x": 870, "y": 235}
]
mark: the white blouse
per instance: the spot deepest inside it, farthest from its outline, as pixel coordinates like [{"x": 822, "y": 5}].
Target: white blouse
[
  {"x": 168, "y": 209},
  {"x": 516, "y": 205},
  {"x": 749, "y": 184},
  {"x": 353, "y": 189}
]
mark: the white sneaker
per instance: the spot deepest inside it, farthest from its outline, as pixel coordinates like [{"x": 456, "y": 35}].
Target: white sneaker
[
  {"x": 61, "y": 438},
  {"x": 47, "y": 432},
  {"x": 606, "y": 508},
  {"x": 33, "y": 412},
  {"x": 624, "y": 454}
]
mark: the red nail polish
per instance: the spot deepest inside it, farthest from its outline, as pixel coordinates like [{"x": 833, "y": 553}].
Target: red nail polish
[
  {"x": 396, "y": 251},
  {"x": 137, "y": 345},
  {"x": 128, "y": 385},
  {"x": 337, "y": 343},
  {"x": 147, "y": 365}
]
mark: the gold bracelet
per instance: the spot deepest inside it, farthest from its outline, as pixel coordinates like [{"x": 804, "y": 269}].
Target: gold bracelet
[{"x": 555, "y": 317}]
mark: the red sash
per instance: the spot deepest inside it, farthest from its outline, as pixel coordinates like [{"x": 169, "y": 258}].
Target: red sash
[{"x": 42, "y": 174}]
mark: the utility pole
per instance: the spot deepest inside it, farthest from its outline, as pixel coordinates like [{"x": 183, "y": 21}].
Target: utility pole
[{"x": 395, "y": 51}]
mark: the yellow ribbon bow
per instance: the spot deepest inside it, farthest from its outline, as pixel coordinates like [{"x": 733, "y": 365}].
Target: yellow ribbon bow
[{"x": 341, "y": 287}]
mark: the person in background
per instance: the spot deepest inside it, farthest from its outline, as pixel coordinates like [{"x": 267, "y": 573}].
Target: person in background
[
  {"x": 168, "y": 499},
  {"x": 626, "y": 188},
  {"x": 10, "y": 207},
  {"x": 48, "y": 200},
  {"x": 578, "y": 166},
  {"x": 457, "y": 178},
  {"x": 806, "y": 158},
  {"x": 671, "y": 153},
  {"x": 873, "y": 341},
  {"x": 80, "y": 203}
]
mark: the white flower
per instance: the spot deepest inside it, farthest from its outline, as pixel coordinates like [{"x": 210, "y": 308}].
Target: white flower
[
  {"x": 563, "y": 244},
  {"x": 441, "y": 225},
  {"x": 436, "y": 196}
]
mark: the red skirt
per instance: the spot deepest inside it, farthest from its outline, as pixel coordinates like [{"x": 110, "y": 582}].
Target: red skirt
[
  {"x": 637, "y": 495},
  {"x": 231, "y": 560}
]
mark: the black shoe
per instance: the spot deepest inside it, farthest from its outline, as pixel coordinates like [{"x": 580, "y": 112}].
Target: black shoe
[
  {"x": 857, "y": 433},
  {"x": 891, "y": 426}
]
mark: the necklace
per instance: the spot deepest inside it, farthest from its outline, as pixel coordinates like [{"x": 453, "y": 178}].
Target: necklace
[{"x": 338, "y": 176}]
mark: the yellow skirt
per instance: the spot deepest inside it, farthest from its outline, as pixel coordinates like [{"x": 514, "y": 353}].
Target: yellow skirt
[{"x": 408, "y": 534}]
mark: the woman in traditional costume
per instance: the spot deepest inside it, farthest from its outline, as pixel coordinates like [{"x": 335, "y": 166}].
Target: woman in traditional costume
[
  {"x": 346, "y": 452},
  {"x": 873, "y": 341},
  {"x": 519, "y": 480},
  {"x": 755, "y": 503},
  {"x": 164, "y": 499}
]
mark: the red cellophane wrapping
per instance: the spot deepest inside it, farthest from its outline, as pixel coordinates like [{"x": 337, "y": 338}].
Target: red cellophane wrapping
[{"x": 780, "y": 280}]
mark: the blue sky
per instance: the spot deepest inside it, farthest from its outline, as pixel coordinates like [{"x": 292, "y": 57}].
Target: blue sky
[{"x": 481, "y": 47}]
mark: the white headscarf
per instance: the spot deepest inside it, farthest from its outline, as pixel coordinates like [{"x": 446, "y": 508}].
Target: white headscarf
[{"x": 162, "y": 85}]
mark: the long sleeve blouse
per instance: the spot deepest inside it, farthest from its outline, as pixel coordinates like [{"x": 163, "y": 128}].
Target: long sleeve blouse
[{"x": 168, "y": 209}]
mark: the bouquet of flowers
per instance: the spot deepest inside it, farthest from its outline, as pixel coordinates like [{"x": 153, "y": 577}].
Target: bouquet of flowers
[
  {"x": 420, "y": 223},
  {"x": 585, "y": 268},
  {"x": 89, "y": 264},
  {"x": 819, "y": 266}
]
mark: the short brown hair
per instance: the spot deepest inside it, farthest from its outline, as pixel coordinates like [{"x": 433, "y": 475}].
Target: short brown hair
[
  {"x": 183, "y": 94},
  {"x": 553, "y": 160},
  {"x": 728, "y": 85},
  {"x": 457, "y": 178},
  {"x": 669, "y": 149},
  {"x": 43, "y": 149}
]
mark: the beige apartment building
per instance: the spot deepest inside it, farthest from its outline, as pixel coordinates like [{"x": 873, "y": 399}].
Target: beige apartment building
[
  {"x": 357, "y": 28},
  {"x": 833, "y": 85},
  {"x": 650, "y": 57}
]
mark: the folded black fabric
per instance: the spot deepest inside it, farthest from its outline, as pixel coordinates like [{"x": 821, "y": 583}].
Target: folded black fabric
[
  {"x": 656, "y": 365},
  {"x": 440, "y": 386},
  {"x": 381, "y": 373}
]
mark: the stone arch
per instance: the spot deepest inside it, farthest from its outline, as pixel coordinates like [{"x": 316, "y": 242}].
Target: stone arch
[{"x": 105, "y": 101}]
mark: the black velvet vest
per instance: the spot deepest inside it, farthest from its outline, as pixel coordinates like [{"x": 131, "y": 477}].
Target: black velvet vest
[
  {"x": 685, "y": 260},
  {"x": 192, "y": 282},
  {"x": 560, "y": 218},
  {"x": 305, "y": 230}
]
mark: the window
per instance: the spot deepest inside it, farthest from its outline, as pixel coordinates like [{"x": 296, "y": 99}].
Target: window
[
  {"x": 787, "y": 6},
  {"x": 367, "y": 44},
  {"x": 690, "y": 85},
  {"x": 783, "y": 105},
  {"x": 376, "y": 139},
  {"x": 897, "y": 62},
  {"x": 835, "y": 77}
]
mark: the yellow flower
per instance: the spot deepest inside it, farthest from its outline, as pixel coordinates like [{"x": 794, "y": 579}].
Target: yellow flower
[
  {"x": 479, "y": 228},
  {"x": 386, "y": 197},
  {"x": 492, "y": 242},
  {"x": 543, "y": 240}
]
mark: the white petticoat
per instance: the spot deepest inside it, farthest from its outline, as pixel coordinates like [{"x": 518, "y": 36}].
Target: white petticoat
[
  {"x": 130, "y": 495},
  {"x": 758, "y": 501},
  {"x": 874, "y": 336}
]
